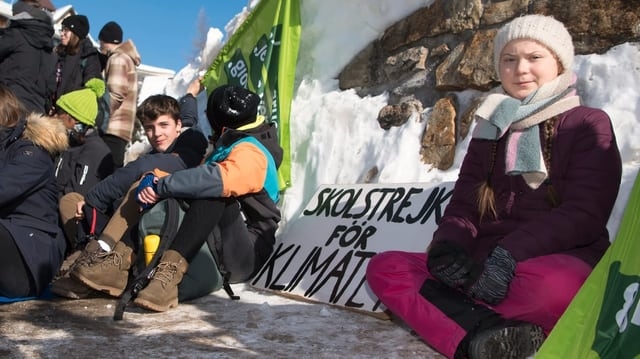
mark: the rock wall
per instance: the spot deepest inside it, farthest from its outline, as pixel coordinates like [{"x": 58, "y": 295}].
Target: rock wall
[{"x": 448, "y": 47}]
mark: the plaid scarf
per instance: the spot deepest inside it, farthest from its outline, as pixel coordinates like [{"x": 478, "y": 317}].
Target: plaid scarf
[{"x": 500, "y": 114}]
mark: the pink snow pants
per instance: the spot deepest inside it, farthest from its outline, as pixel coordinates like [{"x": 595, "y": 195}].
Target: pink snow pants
[{"x": 540, "y": 292}]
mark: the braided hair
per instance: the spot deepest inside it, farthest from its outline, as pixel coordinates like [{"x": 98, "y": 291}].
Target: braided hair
[
  {"x": 486, "y": 196},
  {"x": 552, "y": 195}
]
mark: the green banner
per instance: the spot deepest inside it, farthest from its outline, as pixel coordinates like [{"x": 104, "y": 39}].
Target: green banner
[
  {"x": 603, "y": 320},
  {"x": 261, "y": 56}
]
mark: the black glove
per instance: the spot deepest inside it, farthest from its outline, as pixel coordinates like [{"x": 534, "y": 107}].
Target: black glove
[
  {"x": 450, "y": 264},
  {"x": 493, "y": 283}
]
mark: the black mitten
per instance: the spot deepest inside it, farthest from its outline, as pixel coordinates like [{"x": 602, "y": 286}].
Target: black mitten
[
  {"x": 493, "y": 284},
  {"x": 450, "y": 264}
]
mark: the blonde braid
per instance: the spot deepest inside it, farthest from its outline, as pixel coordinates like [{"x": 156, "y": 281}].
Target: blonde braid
[
  {"x": 486, "y": 197},
  {"x": 552, "y": 195}
]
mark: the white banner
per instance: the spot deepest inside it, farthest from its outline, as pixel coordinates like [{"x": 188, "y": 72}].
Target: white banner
[{"x": 324, "y": 253}]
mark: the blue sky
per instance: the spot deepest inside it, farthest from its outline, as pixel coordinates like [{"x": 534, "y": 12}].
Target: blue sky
[{"x": 163, "y": 31}]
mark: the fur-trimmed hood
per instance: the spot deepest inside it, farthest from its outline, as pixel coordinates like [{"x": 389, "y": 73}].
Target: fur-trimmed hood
[{"x": 46, "y": 132}]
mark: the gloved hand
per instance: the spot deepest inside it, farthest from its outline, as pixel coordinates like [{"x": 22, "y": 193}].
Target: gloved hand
[
  {"x": 493, "y": 284},
  {"x": 450, "y": 264},
  {"x": 147, "y": 181}
]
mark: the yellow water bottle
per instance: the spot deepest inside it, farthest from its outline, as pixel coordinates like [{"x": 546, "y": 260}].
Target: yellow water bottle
[{"x": 151, "y": 243}]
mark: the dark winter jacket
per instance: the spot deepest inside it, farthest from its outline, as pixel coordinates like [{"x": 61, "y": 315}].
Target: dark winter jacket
[
  {"x": 28, "y": 195},
  {"x": 27, "y": 61},
  {"x": 82, "y": 166},
  {"x": 187, "y": 151},
  {"x": 244, "y": 168},
  {"x": 585, "y": 172},
  {"x": 188, "y": 111},
  {"x": 75, "y": 70}
]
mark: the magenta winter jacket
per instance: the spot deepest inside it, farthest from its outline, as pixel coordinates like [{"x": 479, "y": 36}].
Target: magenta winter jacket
[{"x": 585, "y": 172}]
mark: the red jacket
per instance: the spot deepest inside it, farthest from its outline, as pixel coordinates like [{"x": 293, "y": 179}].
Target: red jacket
[{"x": 585, "y": 172}]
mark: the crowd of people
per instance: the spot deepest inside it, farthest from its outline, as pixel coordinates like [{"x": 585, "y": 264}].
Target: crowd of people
[
  {"x": 524, "y": 228},
  {"x": 70, "y": 210}
]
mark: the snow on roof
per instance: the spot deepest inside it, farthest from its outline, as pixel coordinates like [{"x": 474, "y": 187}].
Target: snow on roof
[{"x": 5, "y": 9}]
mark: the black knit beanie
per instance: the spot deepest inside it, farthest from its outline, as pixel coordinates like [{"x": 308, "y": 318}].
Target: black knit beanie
[
  {"x": 231, "y": 106},
  {"x": 78, "y": 24},
  {"x": 111, "y": 33},
  {"x": 190, "y": 146}
]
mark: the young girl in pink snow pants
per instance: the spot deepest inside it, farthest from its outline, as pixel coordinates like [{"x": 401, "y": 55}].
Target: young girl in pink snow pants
[{"x": 527, "y": 219}]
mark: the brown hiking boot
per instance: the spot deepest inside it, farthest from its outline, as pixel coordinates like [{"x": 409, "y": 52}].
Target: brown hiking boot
[
  {"x": 86, "y": 255},
  {"x": 68, "y": 263},
  {"x": 161, "y": 293},
  {"x": 65, "y": 286},
  {"x": 105, "y": 271},
  {"x": 72, "y": 288}
]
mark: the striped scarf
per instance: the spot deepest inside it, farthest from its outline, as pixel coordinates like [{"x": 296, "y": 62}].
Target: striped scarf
[{"x": 501, "y": 114}]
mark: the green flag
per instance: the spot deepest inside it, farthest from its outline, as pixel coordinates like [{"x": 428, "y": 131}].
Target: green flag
[
  {"x": 603, "y": 320},
  {"x": 261, "y": 56}
]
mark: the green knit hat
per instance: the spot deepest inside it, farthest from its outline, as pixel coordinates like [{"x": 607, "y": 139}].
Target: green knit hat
[{"x": 82, "y": 104}]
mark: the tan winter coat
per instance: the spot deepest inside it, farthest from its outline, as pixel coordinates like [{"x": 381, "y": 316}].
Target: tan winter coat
[{"x": 122, "y": 83}]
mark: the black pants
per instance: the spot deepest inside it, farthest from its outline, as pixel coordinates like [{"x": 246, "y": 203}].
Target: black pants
[
  {"x": 118, "y": 147},
  {"x": 235, "y": 244},
  {"x": 15, "y": 277},
  {"x": 471, "y": 316},
  {"x": 199, "y": 221}
]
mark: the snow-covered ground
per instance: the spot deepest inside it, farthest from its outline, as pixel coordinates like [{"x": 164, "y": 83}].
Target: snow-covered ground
[
  {"x": 260, "y": 325},
  {"x": 335, "y": 140}
]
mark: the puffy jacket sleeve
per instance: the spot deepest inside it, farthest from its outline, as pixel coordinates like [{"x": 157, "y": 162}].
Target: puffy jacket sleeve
[
  {"x": 243, "y": 171},
  {"x": 106, "y": 192},
  {"x": 188, "y": 110},
  {"x": 460, "y": 220},
  {"x": 8, "y": 43},
  {"x": 30, "y": 167}
]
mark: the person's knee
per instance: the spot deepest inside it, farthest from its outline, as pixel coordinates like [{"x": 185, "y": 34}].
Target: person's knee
[
  {"x": 549, "y": 294},
  {"x": 377, "y": 264},
  {"x": 67, "y": 205},
  {"x": 559, "y": 290},
  {"x": 552, "y": 281},
  {"x": 380, "y": 268}
]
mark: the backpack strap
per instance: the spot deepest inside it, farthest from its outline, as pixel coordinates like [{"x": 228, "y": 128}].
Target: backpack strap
[
  {"x": 225, "y": 274},
  {"x": 142, "y": 278}
]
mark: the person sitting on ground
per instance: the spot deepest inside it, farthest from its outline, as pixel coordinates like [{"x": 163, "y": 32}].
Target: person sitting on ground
[
  {"x": 235, "y": 191},
  {"x": 103, "y": 215},
  {"x": 527, "y": 221},
  {"x": 88, "y": 159},
  {"x": 32, "y": 245}
]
